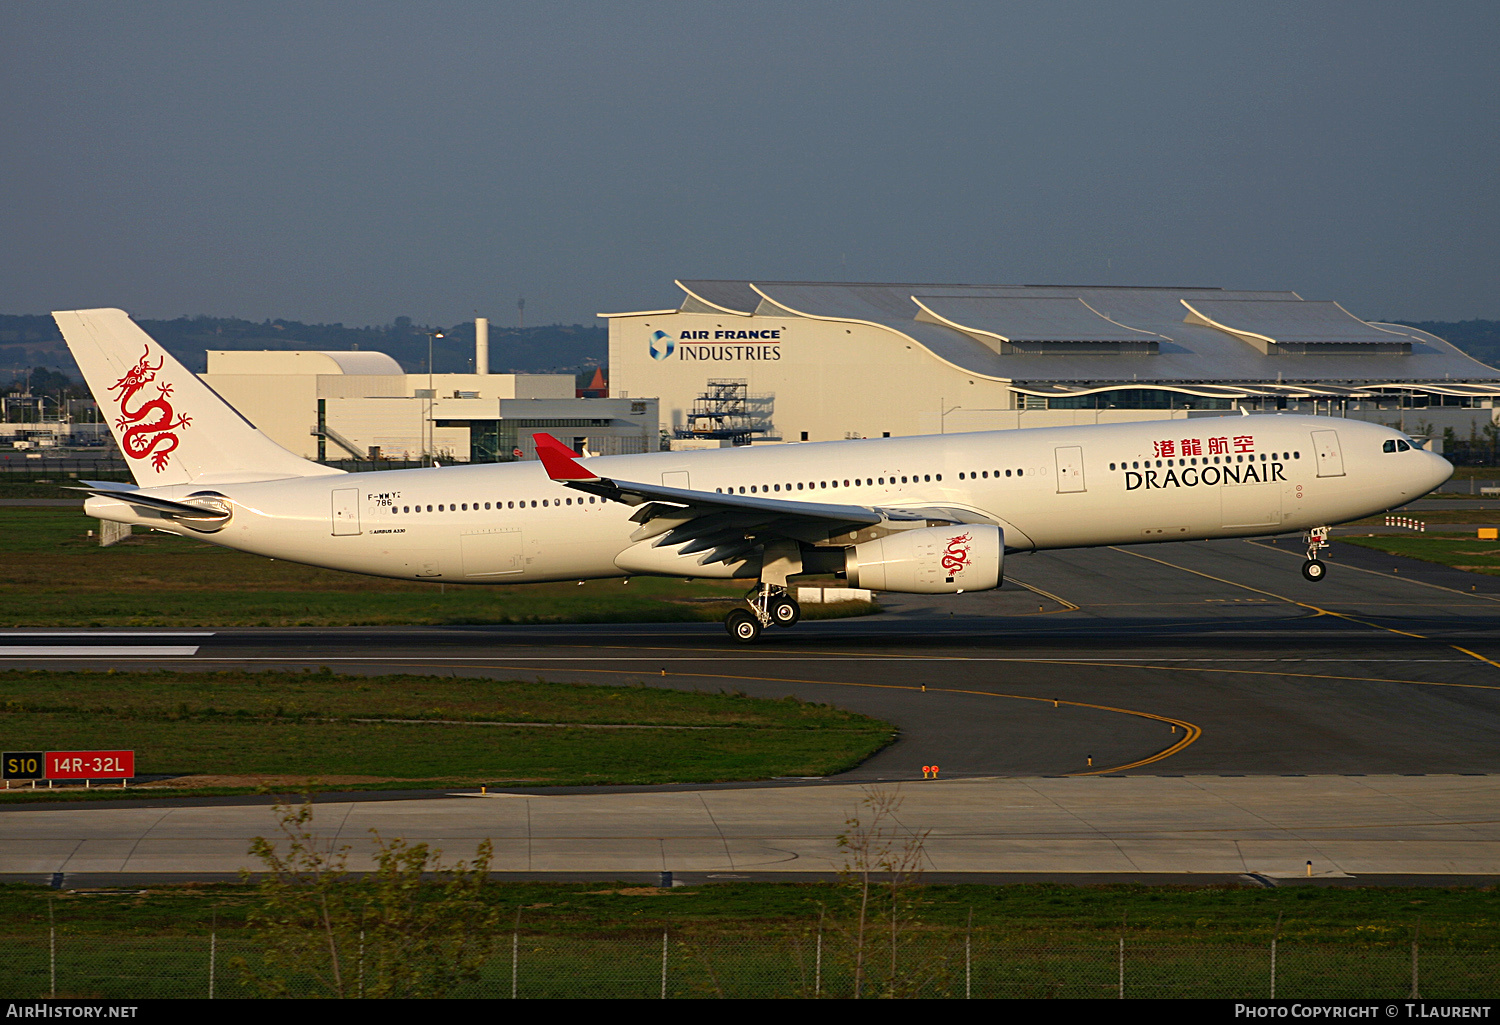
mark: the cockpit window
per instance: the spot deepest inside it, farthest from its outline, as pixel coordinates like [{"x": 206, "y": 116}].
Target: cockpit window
[
  {"x": 1389, "y": 446},
  {"x": 1402, "y": 446}
]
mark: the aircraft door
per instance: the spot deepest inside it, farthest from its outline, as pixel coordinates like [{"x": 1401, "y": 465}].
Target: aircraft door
[
  {"x": 492, "y": 552},
  {"x": 345, "y": 511},
  {"x": 1070, "y": 469},
  {"x": 676, "y": 479},
  {"x": 1330, "y": 456}
]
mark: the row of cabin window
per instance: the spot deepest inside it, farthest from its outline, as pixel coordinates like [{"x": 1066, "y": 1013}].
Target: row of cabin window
[
  {"x": 465, "y": 506},
  {"x": 1194, "y": 461},
  {"x": 984, "y": 474},
  {"x": 823, "y": 484}
]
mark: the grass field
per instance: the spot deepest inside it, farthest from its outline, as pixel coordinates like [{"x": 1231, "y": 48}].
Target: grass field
[
  {"x": 1461, "y": 551},
  {"x": 797, "y": 940},
  {"x": 230, "y": 732},
  {"x": 1037, "y": 913},
  {"x": 58, "y": 576}
]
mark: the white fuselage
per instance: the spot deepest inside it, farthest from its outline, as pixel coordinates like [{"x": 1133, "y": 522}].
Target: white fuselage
[{"x": 1047, "y": 488}]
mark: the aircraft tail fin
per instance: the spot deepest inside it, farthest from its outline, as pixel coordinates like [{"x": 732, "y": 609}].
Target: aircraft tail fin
[{"x": 173, "y": 428}]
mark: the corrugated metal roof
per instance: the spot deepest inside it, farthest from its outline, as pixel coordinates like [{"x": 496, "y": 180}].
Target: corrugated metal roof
[
  {"x": 1016, "y": 319},
  {"x": 1315, "y": 322},
  {"x": 1187, "y": 353}
]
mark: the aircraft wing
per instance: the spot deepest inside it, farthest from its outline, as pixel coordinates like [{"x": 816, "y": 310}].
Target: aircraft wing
[{"x": 727, "y": 526}]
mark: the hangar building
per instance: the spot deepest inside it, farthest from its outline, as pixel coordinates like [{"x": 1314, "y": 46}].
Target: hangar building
[{"x": 815, "y": 361}]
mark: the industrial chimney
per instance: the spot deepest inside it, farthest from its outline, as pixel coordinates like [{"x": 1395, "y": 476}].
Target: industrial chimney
[{"x": 481, "y": 345}]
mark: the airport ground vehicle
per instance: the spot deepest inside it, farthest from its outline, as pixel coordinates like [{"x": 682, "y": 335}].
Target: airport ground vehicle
[{"x": 931, "y": 515}]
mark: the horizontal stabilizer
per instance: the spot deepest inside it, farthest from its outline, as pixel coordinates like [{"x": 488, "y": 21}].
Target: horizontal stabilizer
[{"x": 165, "y": 506}]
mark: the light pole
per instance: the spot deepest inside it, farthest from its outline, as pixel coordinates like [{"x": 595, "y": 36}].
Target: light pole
[{"x": 431, "y": 394}]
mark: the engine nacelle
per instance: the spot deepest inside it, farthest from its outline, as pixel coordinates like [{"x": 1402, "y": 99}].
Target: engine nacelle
[{"x": 933, "y": 560}]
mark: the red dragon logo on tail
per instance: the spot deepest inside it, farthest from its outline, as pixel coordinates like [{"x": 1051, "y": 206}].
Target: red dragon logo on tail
[
  {"x": 957, "y": 555},
  {"x": 144, "y": 434}
]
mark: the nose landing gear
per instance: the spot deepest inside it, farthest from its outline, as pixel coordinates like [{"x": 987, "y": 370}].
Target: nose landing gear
[
  {"x": 770, "y": 604},
  {"x": 1313, "y": 569}
]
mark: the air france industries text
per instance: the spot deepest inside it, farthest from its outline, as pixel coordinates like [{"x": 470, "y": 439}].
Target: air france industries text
[{"x": 728, "y": 352}]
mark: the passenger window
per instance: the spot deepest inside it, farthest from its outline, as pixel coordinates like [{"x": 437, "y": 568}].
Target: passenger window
[
  {"x": 799, "y": 485},
  {"x": 429, "y": 508},
  {"x": 1020, "y": 473},
  {"x": 1007, "y": 473}
]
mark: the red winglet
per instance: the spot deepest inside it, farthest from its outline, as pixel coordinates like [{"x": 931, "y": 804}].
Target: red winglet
[{"x": 558, "y": 460}]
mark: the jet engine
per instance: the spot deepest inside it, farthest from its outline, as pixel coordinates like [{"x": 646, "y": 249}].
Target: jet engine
[{"x": 931, "y": 560}]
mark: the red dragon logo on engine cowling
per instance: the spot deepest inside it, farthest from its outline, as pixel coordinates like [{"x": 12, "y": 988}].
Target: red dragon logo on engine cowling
[
  {"x": 956, "y": 558},
  {"x": 145, "y": 434}
]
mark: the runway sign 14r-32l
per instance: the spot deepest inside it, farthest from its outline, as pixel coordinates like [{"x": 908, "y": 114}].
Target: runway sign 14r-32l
[{"x": 67, "y": 764}]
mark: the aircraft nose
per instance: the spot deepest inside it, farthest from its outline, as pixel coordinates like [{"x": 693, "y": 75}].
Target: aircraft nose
[{"x": 1441, "y": 469}]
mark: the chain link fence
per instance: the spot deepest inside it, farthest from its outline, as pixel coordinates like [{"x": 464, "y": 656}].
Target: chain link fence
[{"x": 806, "y": 963}]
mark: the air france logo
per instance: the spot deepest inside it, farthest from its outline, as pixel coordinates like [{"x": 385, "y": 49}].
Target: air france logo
[{"x": 662, "y": 345}]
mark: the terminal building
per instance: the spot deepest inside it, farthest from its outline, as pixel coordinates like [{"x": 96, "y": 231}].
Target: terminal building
[{"x": 749, "y": 361}]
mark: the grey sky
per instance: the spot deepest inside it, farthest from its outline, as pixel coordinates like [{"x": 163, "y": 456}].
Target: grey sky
[{"x": 355, "y": 162}]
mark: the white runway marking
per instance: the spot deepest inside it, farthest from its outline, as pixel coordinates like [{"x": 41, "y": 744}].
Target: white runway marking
[
  {"x": 112, "y": 644},
  {"x": 1070, "y": 659}
]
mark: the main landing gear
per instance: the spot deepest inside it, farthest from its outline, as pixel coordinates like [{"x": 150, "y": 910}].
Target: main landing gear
[
  {"x": 1313, "y": 569},
  {"x": 770, "y": 605}
]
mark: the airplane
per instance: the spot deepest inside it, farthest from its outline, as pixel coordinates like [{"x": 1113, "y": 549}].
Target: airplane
[{"x": 926, "y": 515}]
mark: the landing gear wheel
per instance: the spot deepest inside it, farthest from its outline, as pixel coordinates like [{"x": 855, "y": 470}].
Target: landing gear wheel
[
  {"x": 1314, "y": 570},
  {"x": 742, "y": 626},
  {"x": 785, "y": 612}
]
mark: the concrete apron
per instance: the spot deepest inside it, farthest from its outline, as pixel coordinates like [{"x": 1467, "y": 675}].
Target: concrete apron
[{"x": 1264, "y": 827}]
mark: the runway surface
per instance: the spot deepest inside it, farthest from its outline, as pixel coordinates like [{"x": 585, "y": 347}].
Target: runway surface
[
  {"x": 1209, "y": 657},
  {"x": 1200, "y": 660}
]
